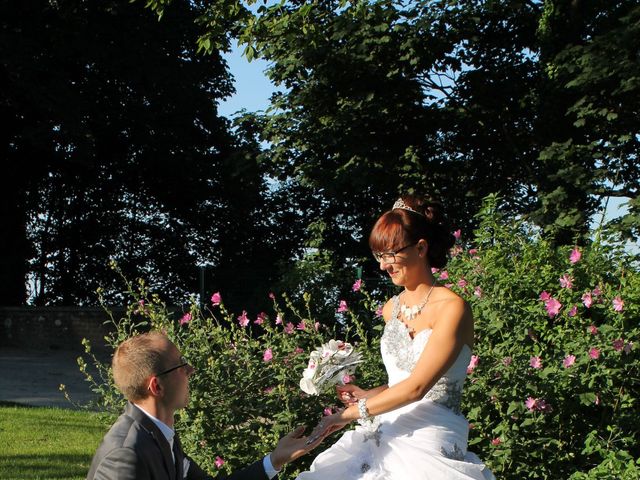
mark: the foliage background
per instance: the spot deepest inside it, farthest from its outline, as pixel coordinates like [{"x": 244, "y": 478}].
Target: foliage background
[
  {"x": 115, "y": 148},
  {"x": 585, "y": 425}
]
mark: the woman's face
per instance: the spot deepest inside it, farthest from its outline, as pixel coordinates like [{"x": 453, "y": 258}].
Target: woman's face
[{"x": 403, "y": 264}]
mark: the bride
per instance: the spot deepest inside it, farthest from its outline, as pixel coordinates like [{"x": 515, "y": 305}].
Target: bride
[{"x": 412, "y": 428}]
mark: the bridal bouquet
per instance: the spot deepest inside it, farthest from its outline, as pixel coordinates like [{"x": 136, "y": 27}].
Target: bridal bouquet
[{"x": 328, "y": 364}]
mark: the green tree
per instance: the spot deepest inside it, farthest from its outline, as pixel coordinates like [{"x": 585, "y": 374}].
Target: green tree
[
  {"x": 458, "y": 99},
  {"x": 114, "y": 149}
]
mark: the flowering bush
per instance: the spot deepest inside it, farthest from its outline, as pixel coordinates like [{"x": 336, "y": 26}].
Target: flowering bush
[
  {"x": 554, "y": 392},
  {"x": 553, "y": 384},
  {"x": 245, "y": 393}
]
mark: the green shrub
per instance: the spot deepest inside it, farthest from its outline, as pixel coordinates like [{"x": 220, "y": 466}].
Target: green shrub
[{"x": 554, "y": 394}]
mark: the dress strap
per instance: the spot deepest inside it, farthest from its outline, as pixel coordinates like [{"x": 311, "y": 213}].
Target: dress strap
[{"x": 396, "y": 307}]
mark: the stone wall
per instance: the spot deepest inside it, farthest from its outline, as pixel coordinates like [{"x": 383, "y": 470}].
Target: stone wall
[{"x": 57, "y": 328}]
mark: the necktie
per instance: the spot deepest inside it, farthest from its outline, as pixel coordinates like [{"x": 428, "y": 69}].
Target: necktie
[{"x": 179, "y": 457}]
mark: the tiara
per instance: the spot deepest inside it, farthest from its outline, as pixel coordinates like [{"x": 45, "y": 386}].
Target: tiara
[{"x": 400, "y": 204}]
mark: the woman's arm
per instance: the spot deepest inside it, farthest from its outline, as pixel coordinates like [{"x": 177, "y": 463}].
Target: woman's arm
[{"x": 447, "y": 339}]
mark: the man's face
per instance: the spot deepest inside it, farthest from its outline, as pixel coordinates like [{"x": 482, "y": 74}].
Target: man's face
[{"x": 176, "y": 379}]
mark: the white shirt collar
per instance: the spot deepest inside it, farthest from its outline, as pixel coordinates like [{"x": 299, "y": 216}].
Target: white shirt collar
[{"x": 166, "y": 430}]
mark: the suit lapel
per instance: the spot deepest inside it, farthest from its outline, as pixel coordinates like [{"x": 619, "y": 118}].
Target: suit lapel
[{"x": 157, "y": 435}]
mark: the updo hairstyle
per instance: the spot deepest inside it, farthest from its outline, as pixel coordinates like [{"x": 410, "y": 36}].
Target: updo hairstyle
[{"x": 423, "y": 219}]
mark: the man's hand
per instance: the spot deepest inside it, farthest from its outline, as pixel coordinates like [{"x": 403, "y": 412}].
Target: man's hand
[{"x": 293, "y": 446}]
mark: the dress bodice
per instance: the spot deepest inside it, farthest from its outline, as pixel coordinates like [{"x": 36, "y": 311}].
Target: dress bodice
[{"x": 400, "y": 353}]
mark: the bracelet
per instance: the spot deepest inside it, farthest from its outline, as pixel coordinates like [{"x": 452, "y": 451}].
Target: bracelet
[{"x": 362, "y": 409}]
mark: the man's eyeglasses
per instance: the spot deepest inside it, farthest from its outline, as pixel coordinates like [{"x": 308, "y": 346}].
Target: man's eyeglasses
[
  {"x": 183, "y": 363},
  {"x": 390, "y": 257}
]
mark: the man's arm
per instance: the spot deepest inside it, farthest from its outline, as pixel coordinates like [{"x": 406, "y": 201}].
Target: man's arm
[
  {"x": 121, "y": 463},
  {"x": 289, "y": 448}
]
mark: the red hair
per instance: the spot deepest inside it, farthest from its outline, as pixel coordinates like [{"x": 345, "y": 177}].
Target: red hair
[{"x": 422, "y": 219}]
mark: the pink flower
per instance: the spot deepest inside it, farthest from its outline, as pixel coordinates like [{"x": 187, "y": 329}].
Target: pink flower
[
  {"x": 316, "y": 326},
  {"x": 473, "y": 251},
  {"x": 575, "y": 255},
  {"x": 618, "y": 344},
  {"x": 462, "y": 283},
  {"x": 597, "y": 399},
  {"x": 587, "y": 300},
  {"x": 216, "y": 299},
  {"x": 506, "y": 361},
  {"x": 342, "y": 307},
  {"x": 444, "y": 275},
  {"x": 568, "y": 361},
  {"x": 186, "y": 318},
  {"x": 448, "y": 285},
  {"x": 288, "y": 328},
  {"x": 300, "y": 326},
  {"x": 566, "y": 281},
  {"x": 357, "y": 285},
  {"x": 531, "y": 403},
  {"x": 141, "y": 303},
  {"x": 573, "y": 311},
  {"x": 535, "y": 362},
  {"x": 544, "y": 296},
  {"x": 618, "y": 304},
  {"x": 627, "y": 347},
  {"x": 379, "y": 311},
  {"x": 553, "y": 307},
  {"x": 596, "y": 292},
  {"x": 347, "y": 379},
  {"x": 457, "y": 234},
  {"x": 477, "y": 292},
  {"x": 243, "y": 320},
  {"x": 272, "y": 295},
  {"x": 268, "y": 390},
  {"x": 298, "y": 351},
  {"x": 593, "y": 330},
  {"x": 473, "y": 363},
  {"x": 594, "y": 353},
  {"x": 496, "y": 441},
  {"x": 219, "y": 462},
  {"x": 260, "y": 319},
  {"x": 278, "y": 319},
  {"x": 456, "y": 250},
  {"x": 434, "y": 270},
  {"x": 327, "y": 411},
  {"x": 268, "y": 355}
]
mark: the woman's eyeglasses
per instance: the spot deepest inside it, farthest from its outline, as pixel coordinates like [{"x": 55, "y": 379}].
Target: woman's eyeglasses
[{"x": 390, "y": 257}]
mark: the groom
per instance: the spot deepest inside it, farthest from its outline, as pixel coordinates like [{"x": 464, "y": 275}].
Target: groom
[{"x": 142, "y": 445}]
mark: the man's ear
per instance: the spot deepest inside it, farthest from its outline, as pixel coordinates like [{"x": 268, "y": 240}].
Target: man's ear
[{"x": 155, "y": 387}]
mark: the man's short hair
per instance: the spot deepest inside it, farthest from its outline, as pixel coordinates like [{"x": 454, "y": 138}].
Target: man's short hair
[{"x": 135, "y": 360}]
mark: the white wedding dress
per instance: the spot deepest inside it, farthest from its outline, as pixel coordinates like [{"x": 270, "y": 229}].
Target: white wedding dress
[{"x": 425, "y": 440}]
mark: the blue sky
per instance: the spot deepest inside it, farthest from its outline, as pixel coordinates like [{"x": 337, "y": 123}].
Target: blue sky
[{"x": 252, "y": 86}]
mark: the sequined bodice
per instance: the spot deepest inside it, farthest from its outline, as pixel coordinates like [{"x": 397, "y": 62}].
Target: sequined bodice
[{"x": 400, "y": 354}]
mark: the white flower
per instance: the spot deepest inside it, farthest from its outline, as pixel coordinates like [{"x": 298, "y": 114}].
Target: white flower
[
  {"x": 307, "y": 386},
  {"x": 327, "y": 366}
]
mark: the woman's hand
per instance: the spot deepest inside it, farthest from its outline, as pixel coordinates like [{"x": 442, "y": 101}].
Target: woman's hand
[
  {"x": 328, "y": 425},
  {"x": 350, "y": 394}
]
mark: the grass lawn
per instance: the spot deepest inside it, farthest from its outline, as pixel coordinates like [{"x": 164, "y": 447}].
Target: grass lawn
[{"x": 47, "y": 443}]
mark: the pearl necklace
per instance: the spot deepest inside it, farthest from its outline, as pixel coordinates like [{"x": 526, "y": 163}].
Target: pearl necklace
[{"x": 409, "y": 313}]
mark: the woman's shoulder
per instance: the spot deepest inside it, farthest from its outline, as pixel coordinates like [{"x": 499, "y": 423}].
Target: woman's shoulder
[
  {"x": 454, "y": 315},
  {"x": 387, "y": 309},
  {"x": 450, "y": 304}
]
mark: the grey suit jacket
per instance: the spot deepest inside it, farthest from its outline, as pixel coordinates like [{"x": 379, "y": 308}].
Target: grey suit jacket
[{"x": 135, "y": 449}]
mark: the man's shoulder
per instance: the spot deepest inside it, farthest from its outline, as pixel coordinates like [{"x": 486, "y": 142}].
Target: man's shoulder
[
  {"x": 127, "y": 432},
  {"x": 126, "y": 442}
]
